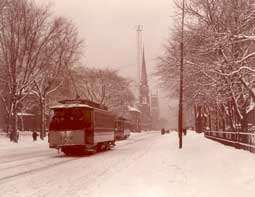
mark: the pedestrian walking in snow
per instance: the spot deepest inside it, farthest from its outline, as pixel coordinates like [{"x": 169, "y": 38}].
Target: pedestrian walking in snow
[
  {"x": 34, "y": 135},
  {"x": 185, "y": 131}
]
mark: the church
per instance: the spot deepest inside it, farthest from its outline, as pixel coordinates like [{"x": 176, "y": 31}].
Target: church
[{"x": 144, "y": 98}]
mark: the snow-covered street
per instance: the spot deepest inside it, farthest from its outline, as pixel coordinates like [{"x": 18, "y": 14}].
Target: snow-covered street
[{"x": 147, "y": 164}]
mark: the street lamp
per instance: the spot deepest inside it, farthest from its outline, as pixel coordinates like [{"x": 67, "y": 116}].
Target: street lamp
[{"x": 180, "y": 115}]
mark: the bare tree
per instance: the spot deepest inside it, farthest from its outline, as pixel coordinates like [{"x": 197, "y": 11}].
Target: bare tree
[
  {"x": 219, "y": 56},
  {"x": 61, "y": 54},
  {"x": 31, "y": 47},
  {"x": 106, "y": 87}
]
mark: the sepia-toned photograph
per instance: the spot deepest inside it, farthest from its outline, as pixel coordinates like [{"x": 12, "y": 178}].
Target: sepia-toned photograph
[{"x": 127, "y": 98}]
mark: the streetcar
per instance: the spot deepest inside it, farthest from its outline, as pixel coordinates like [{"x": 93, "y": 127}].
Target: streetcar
[
  {"x": 134, "y": 119},
  {"x": 122, "y": 128},
  {"x": 80, "y": 126}
]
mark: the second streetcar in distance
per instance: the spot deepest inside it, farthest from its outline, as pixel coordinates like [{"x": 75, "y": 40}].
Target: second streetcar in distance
[{"x": 122, "y": 128}]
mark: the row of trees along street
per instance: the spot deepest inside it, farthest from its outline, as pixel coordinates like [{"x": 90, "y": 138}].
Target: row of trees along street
[
  {"x": 40, "y": 58},
  {"x": 219, "y": 62}
]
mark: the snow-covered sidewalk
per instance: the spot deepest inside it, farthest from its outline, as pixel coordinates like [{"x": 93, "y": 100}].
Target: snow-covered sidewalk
[
  {"x": 25, "y": 142},
  {"x": 147, "y": 164},
  {"x": 202, "y": 168}
]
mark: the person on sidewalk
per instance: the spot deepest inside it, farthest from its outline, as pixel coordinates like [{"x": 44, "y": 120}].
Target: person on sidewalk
[
  {"x": 185, "y": 131},
  {"x": 34, "y": 135}
]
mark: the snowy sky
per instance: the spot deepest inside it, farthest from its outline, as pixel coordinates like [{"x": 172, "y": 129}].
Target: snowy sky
[{"x": 108, "y": 28}]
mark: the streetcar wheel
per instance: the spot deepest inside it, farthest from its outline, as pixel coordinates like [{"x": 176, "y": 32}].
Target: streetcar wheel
[
  {"x": 99, "y": 148},
  {"x": 108, "y": 146}
]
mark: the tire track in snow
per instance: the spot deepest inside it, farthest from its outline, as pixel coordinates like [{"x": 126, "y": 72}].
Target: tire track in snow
[
  {"x": 23, "y": 154},
  {"x": 26, "y": 172},
  {"x": 125, "y": 161},
  {"x": 35, "y": 160},
  {"x": 138, "y": 140},
  {"x": 34, "y": 153},
  {"x": 34, "y": 156},
  {"x": 20, "y": 157}
]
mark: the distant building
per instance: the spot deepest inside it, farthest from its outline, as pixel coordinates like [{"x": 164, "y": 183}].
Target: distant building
[{"x": 27, "y": 121}]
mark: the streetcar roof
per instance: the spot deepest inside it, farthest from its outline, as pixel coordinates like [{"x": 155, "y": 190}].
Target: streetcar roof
[
  {"x": 133, "y": 109},
  {"x": 70, "y": 106}
]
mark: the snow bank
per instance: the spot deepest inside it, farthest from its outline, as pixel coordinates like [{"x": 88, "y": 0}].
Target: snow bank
[{"x": 25, "y": 141}]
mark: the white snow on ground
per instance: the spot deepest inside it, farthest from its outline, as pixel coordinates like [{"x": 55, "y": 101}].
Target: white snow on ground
[{"x": 146, "y": 165}]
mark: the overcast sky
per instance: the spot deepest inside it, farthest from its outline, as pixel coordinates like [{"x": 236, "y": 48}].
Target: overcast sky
[{"x": 108, "y": 28}]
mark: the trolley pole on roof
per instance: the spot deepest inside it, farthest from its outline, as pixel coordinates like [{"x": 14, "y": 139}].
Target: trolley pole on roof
[
  {"x": 139, "y": 31},
  {"x": 75, "y": 87},
  {"x": 180, "y": 115},
  {"x": 74, "y": 84}
]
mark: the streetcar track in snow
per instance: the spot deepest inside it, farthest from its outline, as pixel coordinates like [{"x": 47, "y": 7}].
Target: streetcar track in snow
[
  {"x": 24, "y": 157},
  {"x": 99, "y": 174},
  {"x": 47, "y": 154},
  {"x": 30, "y": 171},
  {"x": 24, "y": 163},
  {"x": 137, "y": 140},
  {"x": 16, "y": 155}
]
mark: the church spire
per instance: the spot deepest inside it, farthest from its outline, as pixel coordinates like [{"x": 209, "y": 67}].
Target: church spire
[
  {"x": 144, "y": 97},
  {"x": 144, "y": 80}
]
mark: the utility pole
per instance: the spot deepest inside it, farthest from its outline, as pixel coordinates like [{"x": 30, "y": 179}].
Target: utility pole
[
  {"x": 139, "y": 47},
  {"x": 180, "y": 115}
]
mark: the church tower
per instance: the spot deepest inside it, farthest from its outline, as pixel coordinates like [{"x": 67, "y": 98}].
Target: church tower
[{"x": 144, "y": 98}]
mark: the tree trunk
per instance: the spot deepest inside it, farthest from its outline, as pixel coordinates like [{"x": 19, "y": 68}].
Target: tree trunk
[
  {"x": 14, "y": 133},
  {"x": 223, "y": 124},
  {"x": 195, "y": 113},
  {"x": 200, "y": 120},
  {"x": 216, "y": 121},
  {"x": 231, "y": 116},
  {"x": 8, "y": 122},
  {"x": 43, "y": 119},
  {"x": 244, "y": 123},
  {"x": 210, "y": 120}
]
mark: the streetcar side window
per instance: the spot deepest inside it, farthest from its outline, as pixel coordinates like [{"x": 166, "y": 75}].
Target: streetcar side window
[{"x": 70, "y": 119}]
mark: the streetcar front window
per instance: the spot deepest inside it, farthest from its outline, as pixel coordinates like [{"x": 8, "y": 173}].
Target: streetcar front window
[{"x": 70, "y": 119}]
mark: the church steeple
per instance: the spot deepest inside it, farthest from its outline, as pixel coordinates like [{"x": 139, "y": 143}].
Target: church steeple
[
  {"x": 144, "y": 79},
  {"x": 144, "y": 87},
  {"x": 144, "y": 99}
]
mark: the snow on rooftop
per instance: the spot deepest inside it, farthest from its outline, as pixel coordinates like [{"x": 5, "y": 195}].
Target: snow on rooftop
[
  {"x": 133, "y": 109},
  {"x": 70, "y": 106},
  {"x": 24, "y": 114}
]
